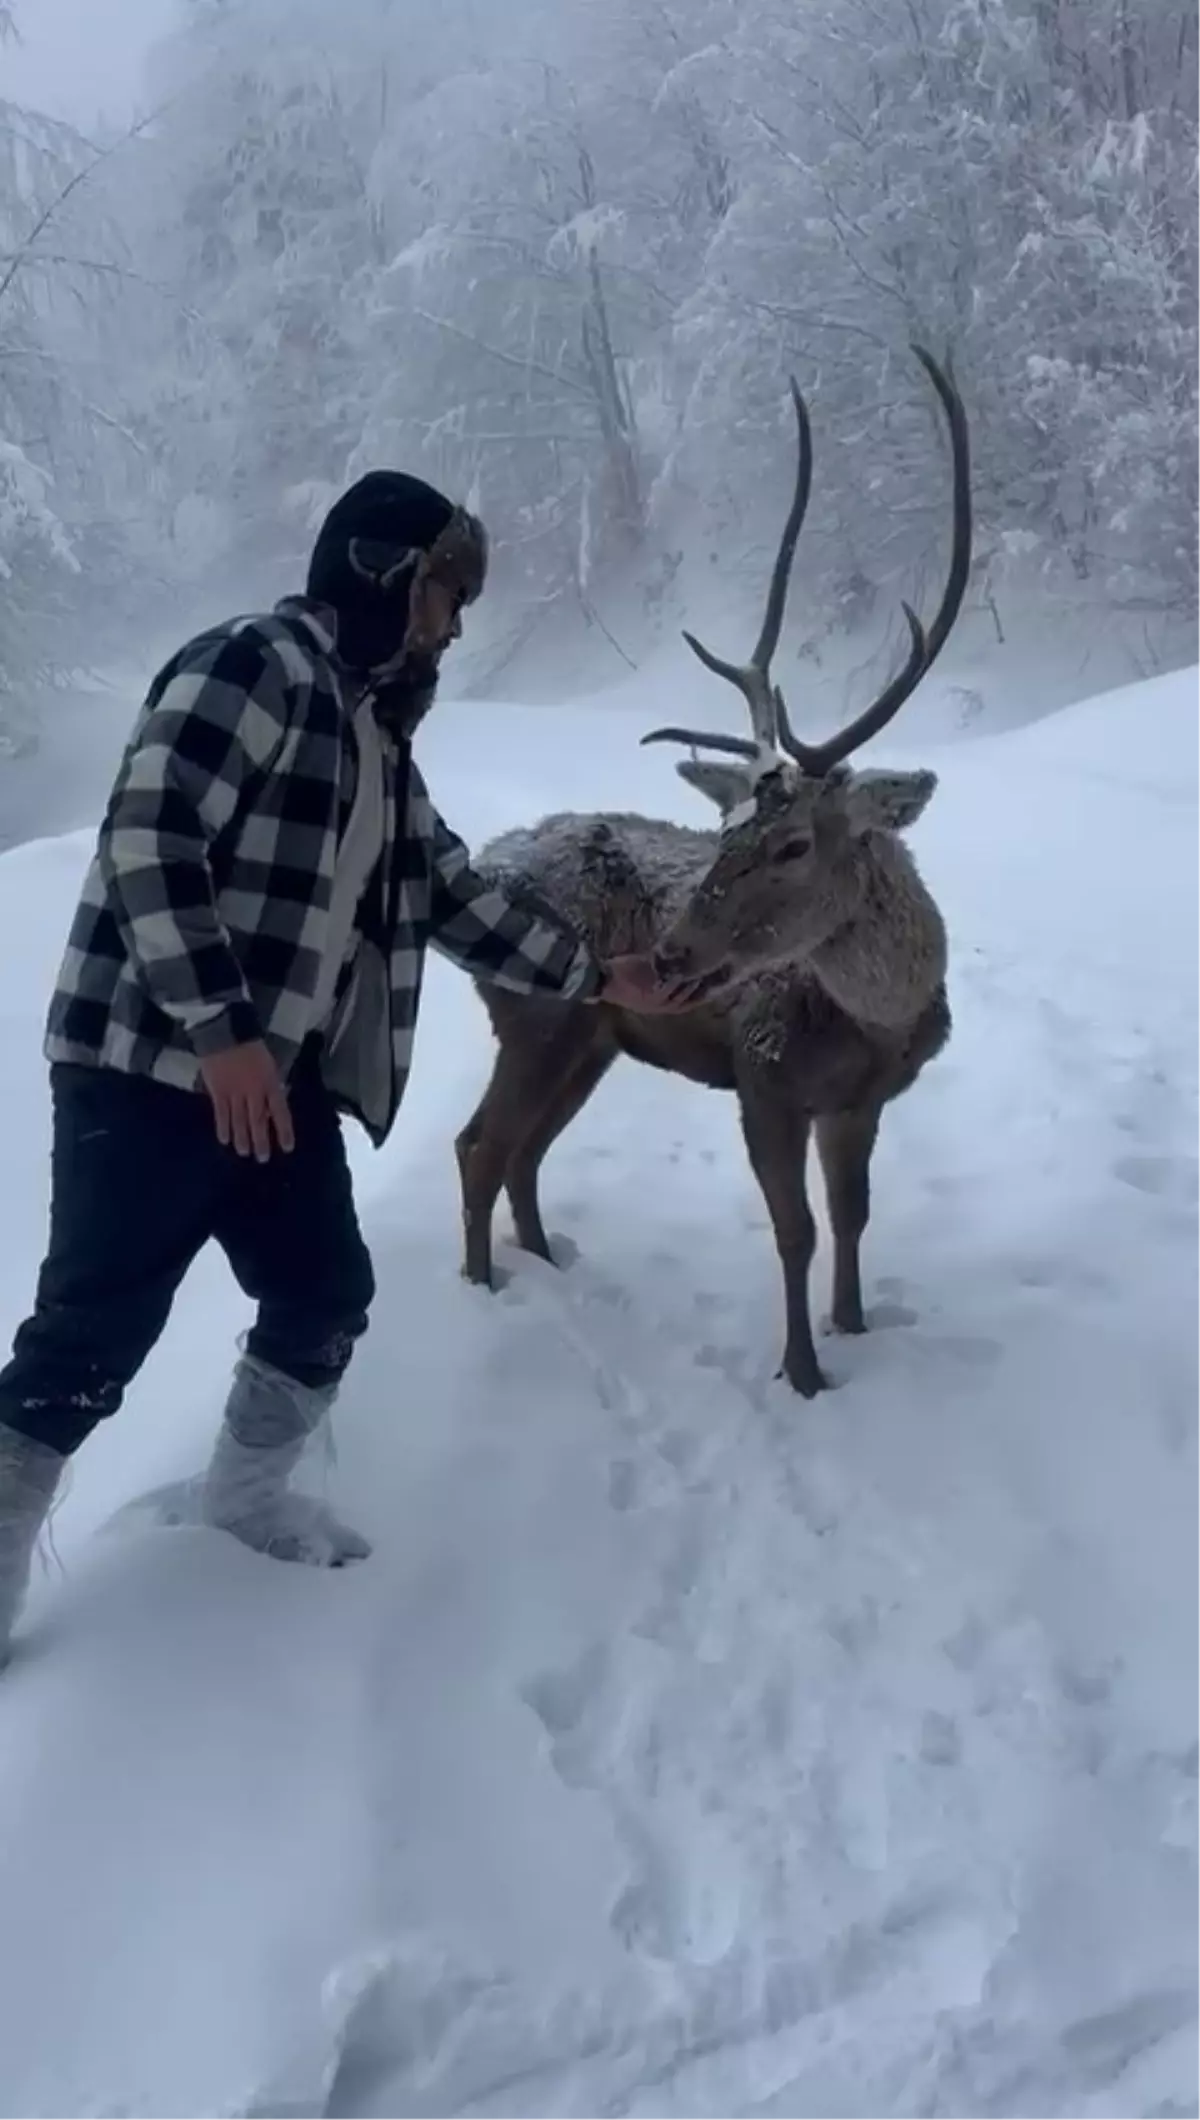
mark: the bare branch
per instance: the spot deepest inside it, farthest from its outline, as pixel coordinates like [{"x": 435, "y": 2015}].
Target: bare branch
[
  {"x": 526, "y": 363},
  {"x": 104, "y": 266},
  {"x": 103, "y": 154}
]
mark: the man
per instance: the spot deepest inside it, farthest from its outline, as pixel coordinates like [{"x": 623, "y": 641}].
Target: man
[{"x": 245, "y": 964}]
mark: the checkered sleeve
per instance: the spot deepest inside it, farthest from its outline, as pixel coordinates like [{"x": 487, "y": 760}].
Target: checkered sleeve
[
  {"x": 479, "y": 928},
  {"x": 221, "y": 717}
]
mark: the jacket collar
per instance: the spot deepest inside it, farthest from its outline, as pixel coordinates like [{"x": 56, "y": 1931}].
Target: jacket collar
[
  {"x": 320, "y": 623},
  {"x": 319, "y": 620}
]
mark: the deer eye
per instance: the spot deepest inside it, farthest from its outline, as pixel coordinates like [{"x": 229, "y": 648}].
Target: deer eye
[{"x": 794, "y": 849}]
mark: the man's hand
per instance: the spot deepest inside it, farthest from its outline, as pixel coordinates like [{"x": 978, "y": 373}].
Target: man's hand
[
  {"x": 633, "y": 983},
  {"x": 248, "y": 1100}
]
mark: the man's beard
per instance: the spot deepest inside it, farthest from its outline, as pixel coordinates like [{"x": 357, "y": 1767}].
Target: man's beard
[{"x": 402, "y": 700}]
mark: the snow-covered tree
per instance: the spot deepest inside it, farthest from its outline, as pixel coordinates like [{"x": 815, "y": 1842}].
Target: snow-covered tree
[
  {"x": 562, "y": 259},
  {"x": 1012, "y": 179},
  {"x": 82, "y": 327}
]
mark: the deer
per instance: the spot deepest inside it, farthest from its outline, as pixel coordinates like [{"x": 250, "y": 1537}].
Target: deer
[{"x": 814, "y": 954}]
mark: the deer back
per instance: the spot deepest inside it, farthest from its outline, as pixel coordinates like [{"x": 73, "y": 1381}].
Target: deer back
[{"x": 618, "y": 880}]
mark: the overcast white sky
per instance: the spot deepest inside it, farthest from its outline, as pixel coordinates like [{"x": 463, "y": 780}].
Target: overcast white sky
[{"x": 80, "y": 59}]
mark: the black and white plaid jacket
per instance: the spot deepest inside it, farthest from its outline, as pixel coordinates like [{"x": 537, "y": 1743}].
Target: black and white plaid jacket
[{"x": 203, "y": 914}]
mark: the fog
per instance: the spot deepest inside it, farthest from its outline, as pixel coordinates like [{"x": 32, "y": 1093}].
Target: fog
[
  {"x": 82, "y": 60},
  {"x": 562, "y": 261}
]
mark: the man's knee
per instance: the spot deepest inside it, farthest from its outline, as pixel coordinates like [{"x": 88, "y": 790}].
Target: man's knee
[
  {"x": 352, "y": 1292},
  {"x": 71, "y": 1366},
  {"x": 130, "y": 1202},
  {"x": 312, "y": 1337}
]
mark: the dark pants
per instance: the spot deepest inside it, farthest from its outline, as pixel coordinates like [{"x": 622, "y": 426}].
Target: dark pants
[{"x": 139, "y": 1184}]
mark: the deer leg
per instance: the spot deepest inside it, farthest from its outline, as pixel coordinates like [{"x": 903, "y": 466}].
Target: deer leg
[
  {"x": 565, "y": 1102},
  {"x": 777, "y": 1141},
  {"x": 528, "y": 1072},
  {"x": 845, "y": 1141}
]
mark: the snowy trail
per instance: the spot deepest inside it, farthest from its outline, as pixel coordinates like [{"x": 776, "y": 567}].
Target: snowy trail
[
  {"x": 822, "y": 1739},
  {"x": 684, "y": 1748}
]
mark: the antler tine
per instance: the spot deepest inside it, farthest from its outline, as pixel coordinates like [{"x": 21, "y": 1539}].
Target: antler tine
[
  {"x": 753, "y": 679},
  {"x": 817, "y": 759},
  {"x": 735, "y": 746},
  {"x": 768, "y": 639},
  {"x": 960, "y": 451},
  {"x": 749, "y": 683}
]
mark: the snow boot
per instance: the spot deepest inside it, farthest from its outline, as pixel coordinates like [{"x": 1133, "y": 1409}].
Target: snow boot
[
  {"x": 29, "y": 1475},
  {"x": 268, "y": 1422}
]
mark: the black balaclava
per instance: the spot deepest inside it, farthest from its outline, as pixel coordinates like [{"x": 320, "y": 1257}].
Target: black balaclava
[{"x": 382, "y": 535}]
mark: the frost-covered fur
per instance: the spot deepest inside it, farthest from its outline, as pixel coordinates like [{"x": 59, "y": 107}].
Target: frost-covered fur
[
  {"x": 619, "y": 880},
  {"x": 821, "y": 956},
  {"x": 851, "y": 912}
]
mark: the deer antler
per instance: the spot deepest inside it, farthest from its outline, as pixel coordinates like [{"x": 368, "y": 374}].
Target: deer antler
[
  {"x": 817, "y": 759},
  {"x": 768, "y": 712},
  {"x": 753, "y": 679}
]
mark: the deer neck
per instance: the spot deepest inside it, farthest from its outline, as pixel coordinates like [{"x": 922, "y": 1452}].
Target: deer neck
[{"x": 888, "y": 960}]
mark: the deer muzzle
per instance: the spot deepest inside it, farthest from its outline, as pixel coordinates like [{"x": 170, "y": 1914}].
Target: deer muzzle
[{"x": 676, "y": 966}]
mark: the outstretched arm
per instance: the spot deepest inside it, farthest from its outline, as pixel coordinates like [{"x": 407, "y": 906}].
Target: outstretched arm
[{"x": 481, "y": 929}]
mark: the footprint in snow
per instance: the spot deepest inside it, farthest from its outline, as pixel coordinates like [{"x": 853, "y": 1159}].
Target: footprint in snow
[
  {"x": 712, "y": 1299},
  {"x": 561, "y": 1700},
  {"x": 855, "y": 1628},
  {"x": 730, "y": 1362},
  {"x": 941, "y": 1739},
  {"x": 682, "y": 1905},
  {"x": 174, "y": 1504},
  {"x": 640, "y": 1484},
  {"x": 973, "y": 1349},
  {"x": 624, "y": 1485},
  {"x": 1104, "y": 2045},
  {"x": 1173, "y": 1178},
  {"x": 1066, "y": 1275},
  {"x": 881, "y": 1317},
  {"x": 612, "y": 1294},
  {"x": 1086, "y": 1685},
  {"x": 891, "y": 1284},
  {"x": 669, "y": 1619}
]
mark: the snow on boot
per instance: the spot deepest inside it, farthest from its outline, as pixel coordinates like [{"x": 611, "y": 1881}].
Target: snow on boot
[
  {"x": 268, "y": 1421},
  {"x": 29, "y": 1474}
]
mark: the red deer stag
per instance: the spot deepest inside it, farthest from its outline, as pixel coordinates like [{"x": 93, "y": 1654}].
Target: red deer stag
[{"x": 819, "y": 952}]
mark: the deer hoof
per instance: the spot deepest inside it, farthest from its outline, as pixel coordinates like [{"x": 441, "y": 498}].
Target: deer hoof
[
  {"x": 806, "y": 1377},
  {"x": 851, "y": 1322},
  {"x": 479, "y": 1276}
]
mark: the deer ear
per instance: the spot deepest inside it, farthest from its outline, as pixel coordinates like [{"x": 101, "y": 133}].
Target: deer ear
[
  {"x": 887, "y": 802},
  {"x": 724, "y": 784}
]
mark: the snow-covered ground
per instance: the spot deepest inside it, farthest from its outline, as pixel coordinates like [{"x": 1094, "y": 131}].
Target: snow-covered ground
[{"x": 684, "y": 1748}]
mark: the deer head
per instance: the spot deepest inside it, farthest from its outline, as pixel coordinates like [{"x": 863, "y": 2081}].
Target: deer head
[{"x": 800, "y": 830}]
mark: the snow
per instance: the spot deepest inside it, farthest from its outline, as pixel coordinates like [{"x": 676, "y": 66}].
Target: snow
[{"x": 684, "y": 1748}]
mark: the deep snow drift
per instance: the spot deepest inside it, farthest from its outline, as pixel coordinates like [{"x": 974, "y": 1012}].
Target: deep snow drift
[{"x": 684, "y": 1748}]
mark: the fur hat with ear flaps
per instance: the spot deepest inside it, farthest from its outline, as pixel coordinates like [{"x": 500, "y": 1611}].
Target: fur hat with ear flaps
[{"x": 388, "y": 531}]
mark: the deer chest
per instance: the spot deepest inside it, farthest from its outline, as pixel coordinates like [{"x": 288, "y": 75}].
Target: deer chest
[{"x": 830, "y": 1061}]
